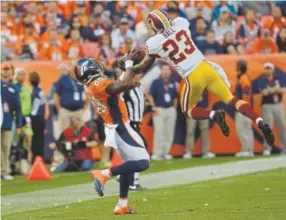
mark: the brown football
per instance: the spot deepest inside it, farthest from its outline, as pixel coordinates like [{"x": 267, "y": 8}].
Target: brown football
[{"x": 139, "y": 56}]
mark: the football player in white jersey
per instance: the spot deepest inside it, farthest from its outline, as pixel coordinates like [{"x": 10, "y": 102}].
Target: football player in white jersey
[{"x": 172, "y": 41}]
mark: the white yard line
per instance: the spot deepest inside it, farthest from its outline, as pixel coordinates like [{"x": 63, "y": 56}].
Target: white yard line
[{"x": 83, "y": 192}]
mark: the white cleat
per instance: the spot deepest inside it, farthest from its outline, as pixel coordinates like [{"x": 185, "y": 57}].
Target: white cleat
[
  {"x": 156, "y": 157},
  {"x": 244, "y": 154},
  {"x": 208, "y": 155},
  {"x": 168, "y": 157},
  {"x": 266, "y": 152},
  {"x": 7, "y": 177},
  {"x": 187, "y": 156}
]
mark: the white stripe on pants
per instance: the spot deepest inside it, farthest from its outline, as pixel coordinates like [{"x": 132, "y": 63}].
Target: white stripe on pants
[
  {"x": 244, "y": 132},
  {"x": 164, "y": 128}
]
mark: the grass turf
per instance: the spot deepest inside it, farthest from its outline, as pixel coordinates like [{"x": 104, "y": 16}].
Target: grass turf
[
  {"x": 258, "y": 196},
  {"x": 20, "y": 184}
]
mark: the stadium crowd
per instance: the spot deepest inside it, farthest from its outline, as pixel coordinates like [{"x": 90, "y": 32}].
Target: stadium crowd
[{"x": 105, "y": 31}]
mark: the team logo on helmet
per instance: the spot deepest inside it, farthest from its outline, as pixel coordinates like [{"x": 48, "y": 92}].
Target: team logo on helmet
[{"x": 158, "y": 20}]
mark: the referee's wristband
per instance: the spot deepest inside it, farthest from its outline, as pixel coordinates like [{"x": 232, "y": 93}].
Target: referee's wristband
[{"x": 128, "y": 63}]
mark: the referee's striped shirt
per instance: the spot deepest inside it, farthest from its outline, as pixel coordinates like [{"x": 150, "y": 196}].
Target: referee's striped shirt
[{"x": 135, "y": 101}]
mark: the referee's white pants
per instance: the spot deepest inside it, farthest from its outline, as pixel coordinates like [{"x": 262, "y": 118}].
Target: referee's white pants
[{"x": 164, "y": 128}]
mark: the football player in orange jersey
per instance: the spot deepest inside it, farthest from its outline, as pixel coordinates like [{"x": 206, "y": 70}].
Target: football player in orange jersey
[{"x": 107, "y": 94}]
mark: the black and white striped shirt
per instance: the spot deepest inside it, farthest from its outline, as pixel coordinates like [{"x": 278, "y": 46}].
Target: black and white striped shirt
[{"x": 135, "y": 101}]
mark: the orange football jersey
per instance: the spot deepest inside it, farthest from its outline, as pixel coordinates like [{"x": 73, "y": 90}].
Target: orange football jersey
[{"x": 111, "y": 108}]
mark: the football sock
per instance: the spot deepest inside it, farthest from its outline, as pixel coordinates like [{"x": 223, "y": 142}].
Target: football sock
[
  {"x": 124, "y": 181},
  {"x": 106, "y": 172},
  {"x": 123, "y": 202},
  {"x": 199, "y": 113},
  {"x": 130, "y": 167},
  {"x": 245, "y": 109},
  {"x": 136, "y": 179}
]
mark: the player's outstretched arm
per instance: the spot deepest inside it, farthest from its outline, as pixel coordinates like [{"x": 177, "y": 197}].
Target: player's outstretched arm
[
  {"x": 145, "y": 64},
  {"x": 125, "y": 83}
]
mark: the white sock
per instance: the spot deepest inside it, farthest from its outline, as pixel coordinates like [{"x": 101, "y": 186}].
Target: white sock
[
  {"x": 106, "y": 172},
  {"x": 123, "y": 202},
  {"x": 258, "y": 120},
  {"x": 212, "y": 114},
  {"x": 136, "y": 178}
]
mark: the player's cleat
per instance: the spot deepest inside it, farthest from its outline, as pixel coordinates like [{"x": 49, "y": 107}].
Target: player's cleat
[
  {"x": 137, "y": 187},
  {"x": 99, "y": 181},
  {"x": 208, "y": 155},
  {"x": 219, "y": 118},
  {"x": 267, "y": 132},
  {"x": 126, "y": 210}
]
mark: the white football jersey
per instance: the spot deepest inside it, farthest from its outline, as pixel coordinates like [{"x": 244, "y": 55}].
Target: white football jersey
[{"x": 176, "y": 45}]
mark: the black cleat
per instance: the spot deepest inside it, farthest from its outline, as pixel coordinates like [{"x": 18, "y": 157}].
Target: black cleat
[
  {"x": 219, "y": 118},
  {"x": 267, "y": 132},
  {"x": 137, "y": 187}
]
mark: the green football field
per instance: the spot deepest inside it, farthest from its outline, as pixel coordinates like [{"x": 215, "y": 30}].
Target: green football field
[{"x": 256, "y": 196}]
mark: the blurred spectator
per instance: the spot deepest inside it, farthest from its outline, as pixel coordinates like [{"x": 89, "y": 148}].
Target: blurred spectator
[
  {"x": 226, "y": 7},
  {"x": 265, "y": 44},
  {"x": 76, "y": 25},
  {"x": 105, "y": 50},
  {"x": 281, "y": 40},
  {"x": 95, "y": 29},
  {"x": 75, "y": 144},
  {"x": 26, "y": 53},
  {"x": 272, "y": 107},
  {"x": 223, "y": 24},
  {"x": 276, "y": 21},
  {"x": 200, "y": 9},
  {"x": 200, "y": 31},
  {"x": 172, "y": 7},
  {"x": 230, "y": 46},
  {"x": 54, "y": 50},
  {"x": 69, "y": 98},
  {"x": 73, "y": 46},
  {"x": 122, "y": 12},
  {"x": 204, "y": 131},
  {"x": 163, "y": 98},
  {"x": 31, "y": 39},
  {"x": 37, "y": 115},
  {"x": 119, "y": 35},
  {"x": 80, "y": 12},
  {"x": 11, "y": 107},
  {"x": 24, "y": 91},
  {"x": 127, "y": 46},
  {"x": 141, "y": 30},
  {"x": 249, "y": 29},
  {"x": 243, "y": 124},
  {"x": 210, "y": 45},
  {"x": 262, "y": 8}
]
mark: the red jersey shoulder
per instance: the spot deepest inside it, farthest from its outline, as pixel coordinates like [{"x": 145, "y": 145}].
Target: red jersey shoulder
[{"x": 99, "y": 85}]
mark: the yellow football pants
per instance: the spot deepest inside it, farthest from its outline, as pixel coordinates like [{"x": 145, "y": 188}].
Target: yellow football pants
[{"x": 207, "y": 75}]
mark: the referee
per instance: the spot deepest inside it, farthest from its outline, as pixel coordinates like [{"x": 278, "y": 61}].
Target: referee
[{"x": 135, "y": 103}]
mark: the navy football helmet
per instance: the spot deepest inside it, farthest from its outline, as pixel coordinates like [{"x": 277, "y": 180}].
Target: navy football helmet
[{"x": 87, "y": 69}]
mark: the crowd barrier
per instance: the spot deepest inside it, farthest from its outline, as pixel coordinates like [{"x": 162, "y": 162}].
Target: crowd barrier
[{"x": 219, "y": 144}]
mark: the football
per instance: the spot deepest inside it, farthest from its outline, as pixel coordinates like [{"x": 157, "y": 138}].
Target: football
[{"x": 139, "y": 56}]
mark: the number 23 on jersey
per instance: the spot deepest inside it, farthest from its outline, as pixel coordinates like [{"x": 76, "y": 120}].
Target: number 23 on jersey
[{"x": 180, "y": 47}]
